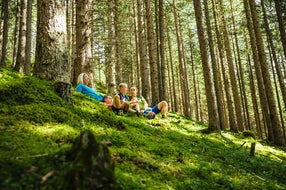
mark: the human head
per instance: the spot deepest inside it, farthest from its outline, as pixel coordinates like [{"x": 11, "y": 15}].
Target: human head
[
  {"x": 122, "y": 88},
  {"x": 107, "y": 99},
  {"x": 83, "y": 79},
  {"x": 133, "y": 91}
]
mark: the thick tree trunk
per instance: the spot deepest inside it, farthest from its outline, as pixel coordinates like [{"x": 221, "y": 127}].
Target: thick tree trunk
[
  {"x": 215, "y": 71},
  {"x": 274, "y": 56},
  {"x": 5, "y": 12},
  {"x": 281, "y": 25},
  {"x": 51, "y": 49},
  {"x": 230, "y": 109},
  {"x": 152, "y": 54},
  {"x": 183, "y": 78},
  {"x": 258, "y": 72},
  {"x": 83, "y": 61},
  {"x": 142, "y": 52},
  {"x": 212, "y": 111},
  {"x": 111, "y": 51},
  {"x": 240, "y": 71},
  {"x": 118, "y": 42},
  {"x": 231, "y": 69},
  {"x": 16, "y": 33},
  {"x": 162, "y": 50},
  {"x": 27, "y": 66},
  {"x": 20, "y": 59},
  {"x": 276, "y": 124}
]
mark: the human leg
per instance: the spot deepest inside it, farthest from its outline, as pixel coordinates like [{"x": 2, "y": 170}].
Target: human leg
[{"x": 163, "y": 107}]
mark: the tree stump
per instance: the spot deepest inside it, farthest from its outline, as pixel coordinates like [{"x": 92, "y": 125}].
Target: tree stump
[
  {"x": 93, "y": 167},
  {"x": 63, "y": 89}
]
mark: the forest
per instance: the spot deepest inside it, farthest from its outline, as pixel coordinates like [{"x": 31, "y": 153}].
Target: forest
[{"x": 220, "y": 65}]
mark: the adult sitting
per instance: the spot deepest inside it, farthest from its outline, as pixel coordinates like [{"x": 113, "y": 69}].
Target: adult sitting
[
  {"x": 121, "y": 100},
  {"x": 139, "y": 103},
  {"x": 82, "y": 86}
]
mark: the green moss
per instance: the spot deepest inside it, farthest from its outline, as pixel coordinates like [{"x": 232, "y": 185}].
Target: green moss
[{"x": 37, "y": 129}]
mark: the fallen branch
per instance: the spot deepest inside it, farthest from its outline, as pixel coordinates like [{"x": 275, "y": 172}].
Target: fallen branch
[
  {"x": 47, "y": 176},
  {"x": 33, "y": 156},
  {"x": 241, "y": 145}
]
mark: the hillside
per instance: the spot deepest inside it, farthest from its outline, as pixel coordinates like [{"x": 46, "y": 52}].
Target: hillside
[{"x": 38, "y": 129}]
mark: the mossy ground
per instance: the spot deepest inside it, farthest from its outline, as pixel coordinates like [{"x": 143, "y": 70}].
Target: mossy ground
[{"x": 37, "y": 127}]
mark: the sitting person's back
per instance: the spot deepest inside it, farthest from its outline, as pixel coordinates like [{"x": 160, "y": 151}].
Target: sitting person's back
[{"x": 82, "y": 87}]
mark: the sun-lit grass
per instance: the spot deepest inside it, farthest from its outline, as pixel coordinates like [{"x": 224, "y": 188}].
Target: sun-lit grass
[{"x": 37, "y": 128}]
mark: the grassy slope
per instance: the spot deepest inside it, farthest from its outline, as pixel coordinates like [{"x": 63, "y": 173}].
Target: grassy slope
[{"x": 36, "y": 126}]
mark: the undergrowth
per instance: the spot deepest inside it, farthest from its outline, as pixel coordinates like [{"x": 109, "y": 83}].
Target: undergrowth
[{"x": 37, "y": 127}]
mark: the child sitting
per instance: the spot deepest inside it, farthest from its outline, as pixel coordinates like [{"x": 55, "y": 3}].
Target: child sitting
[{"x": 108, "y": 101}]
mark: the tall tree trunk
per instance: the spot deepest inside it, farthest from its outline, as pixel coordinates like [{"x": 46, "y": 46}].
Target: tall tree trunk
[
  {"x": 20, "y": 59},
  {"x": 240, "y": 71},
  {"x": 183, "y": 78},
  {"x": 16, "y": 33},
  {"x": 73, "y": 41},
  {"x": 1, "y": 26},
  {"x": 142, "y": 52},
  {"x": 27, "y": 66},
  {"x": 5, "y": 12},
  {"x": 258, "y": 72},
  {"x": 111, "y": 51},
  {"x": 83, "y": 61},
  {"x": 69, "y": 17},
  {"x": 230, "y": 109},
  {"x": 212, "y": 111},
  {"x": 174, "y": 94},
  {"x": 215, "y": 71},
  {"x": 276, "y": 124},
  {"x": 162, "y": 50},
  {"x": 281, "y": 25},
  {"x": 139, "y": 82},
  {"x": 118, "y": 42},
  {"x": 152, "y": 54},
  {"x": 276, "y": 89},
  {"x": 254, "y": 99},
  {"x": 274, "y": 56},
  {"x": 233, "y": 80},
  {"x": 194, "y": 79},
  {"x": 51, "y": 50}
]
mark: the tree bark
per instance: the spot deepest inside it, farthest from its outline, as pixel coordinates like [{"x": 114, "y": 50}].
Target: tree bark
[
  {"x": 212, "y": 113},
  {"x": 16, "y": 33},
  {"x": 174, "y": 94},
  {"x": 233, "y": 80},
  {"x": 230, "y": 109},
  {"x": 20, "y": 59},
  {"x": 162, "y": 50},
  {"x": 111, "y": 50},
  {"x": 152, "y": 54},
  {"x": 274, "y": 56},
  {"x": 142, "y": 52},
  {"x": 281, "y": 25},
  {"x": 83, "y": 61},
  {"x": 258, "y": 72},
  {"x": 118, "y": 42},
  {"x": 51, "y": 49},
  {"x": 5, "y": 12},
  {"x": 276, "y": 124},
  {"x": 215, "y": 71},
  {"x": 27, "y": 66}
]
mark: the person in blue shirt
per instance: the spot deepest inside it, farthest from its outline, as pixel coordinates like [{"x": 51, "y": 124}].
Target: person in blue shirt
[
  {"x": 138, "y": 102},
  {"x": 82, "y": 86}
]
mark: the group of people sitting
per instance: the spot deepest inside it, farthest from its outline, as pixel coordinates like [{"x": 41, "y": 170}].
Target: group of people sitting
[{"x": 132, "y": 103}]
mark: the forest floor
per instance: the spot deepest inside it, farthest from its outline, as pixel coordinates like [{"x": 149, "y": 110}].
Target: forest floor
[{"x": 37, "y": 126}]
